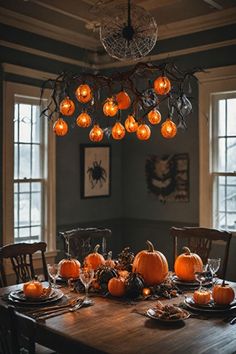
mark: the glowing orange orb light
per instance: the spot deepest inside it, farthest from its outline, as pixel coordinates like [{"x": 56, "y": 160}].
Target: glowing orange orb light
[
  {"x": 67, "y": 107},
  {"x": 118, "y": 131},
  {"x": 96, "y": 133},
  {"x": 60, "y": 127},
  {"x": 168, "y": 129},
  {"x": 130, "y": 124},
  {"x": 154, "y": 116},
  {"x": 143, "y": 132},
  {"x": 84, "y": 120},
  {"x": 110, "y": 107},
  {"x": 162, "y": 85},
  {"x": 123, "y": 100},
  {"x": 84, "y": 93}
]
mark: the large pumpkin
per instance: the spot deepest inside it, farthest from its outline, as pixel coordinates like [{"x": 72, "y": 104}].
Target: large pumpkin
[
  {"x": 95, "y": 259},
  {"x": 186, "y": 264},
  {"x": 33, "y": 289},
  {"x": 116, "y": 287},
  {"x": 69, "y": 268},
  {"x": 151, "y": 264},
  {"x": 223, "y": 294}
]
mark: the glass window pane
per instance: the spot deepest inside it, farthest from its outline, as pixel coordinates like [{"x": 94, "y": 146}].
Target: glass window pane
[
  {"x": 231, "y": 116},
  {"x": 24, "y": 232},
  {"x": 36, "y": 124},
  {"x": 16, "y": 196},
  {"x": 231, "y": 154},
  {"x": 36, "y": 187},
  {"x": 231, "y": 198},
  {"x": 35, "y": 208},
  {"x": 24, "y": 187},
  {"x": 221, "y": 155},
  {"x": 16, "y": 233},
  {"x": 25, "y": 123},
  {"x": 221, "y": 221},
  {"x": 36, "y": 232},
  {"x": 16, "y": 157},
  {"x": 24, "y": 211},
  {"x": 16, "y": 123},
  {"x": 221, "y": 118},
  {"x": 24, "y": 161},
  {"x": 36, "y": 161}
]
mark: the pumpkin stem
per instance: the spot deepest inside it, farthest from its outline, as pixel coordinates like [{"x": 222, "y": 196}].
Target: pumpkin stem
[
  {"x": 223, "y": 282},
  {"x": 150, "y": 246},
  {"x": 96, "y": 248},
  {"x": 186, "y": 250},
  {"x": 109, "y": 255}
]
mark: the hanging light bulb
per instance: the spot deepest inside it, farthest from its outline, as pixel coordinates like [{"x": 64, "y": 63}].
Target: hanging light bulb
[
  {"x": 96, "y": 133},
  {"x": 110, "y": 107},
  {"x": 123, "y": 100},
  {"x": 162, "y": 85},
  {"x": 168, "y": 129},
  {"x": 84, "y": 120},
  {"x": 154, "y": 116},
  {"x": 84, "y": 93},
  {"x": 143, "y": 132},
  {"x": 118, "y": 131},
  {"x": 67, "y": 107},
  {"x": 131, "y": 125},
  {"x": 60, "y": 127}
]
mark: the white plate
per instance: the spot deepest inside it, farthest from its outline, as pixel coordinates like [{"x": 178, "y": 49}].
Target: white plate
[
  {"x": 152, "y": 314},
  {"x": 189, "y": 283},
  {"x": 210, "y": 308},
  {"x": 19, "y": 298}
]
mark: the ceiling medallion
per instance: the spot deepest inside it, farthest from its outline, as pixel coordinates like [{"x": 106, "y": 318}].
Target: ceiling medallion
[{"x": 129, "y": 39}]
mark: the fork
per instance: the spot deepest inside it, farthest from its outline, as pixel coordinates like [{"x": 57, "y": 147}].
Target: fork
[
  {"x": 60, "y": 311},
  {"x": 49, "y": 309}
]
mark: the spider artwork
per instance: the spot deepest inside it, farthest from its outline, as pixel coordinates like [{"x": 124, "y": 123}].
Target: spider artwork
[{"x": 97, "y": 174}]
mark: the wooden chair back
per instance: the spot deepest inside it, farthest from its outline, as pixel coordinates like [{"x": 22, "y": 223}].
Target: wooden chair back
[
  {"x": 200, "y": 240},
  {"x": 81, "y": 241},
  {"x": 8, "y": 339},
  {"x": 21, "y": 256}
]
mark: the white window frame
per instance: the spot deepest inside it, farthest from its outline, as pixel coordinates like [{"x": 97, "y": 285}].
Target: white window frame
[
  {"x": 213, "y": 81},
  {"x": 10, "y": 89}
]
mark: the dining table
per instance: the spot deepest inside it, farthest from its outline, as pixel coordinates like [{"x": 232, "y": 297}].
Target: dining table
[{"x": 118, "y": 325}]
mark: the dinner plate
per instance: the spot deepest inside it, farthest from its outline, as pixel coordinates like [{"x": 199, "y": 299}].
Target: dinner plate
[
  {"x": 189, "y": 283},
  {"x": 19, "y": 298},
  {"x": 210, "y": 308},
  {"x": 152, "y": 314}
]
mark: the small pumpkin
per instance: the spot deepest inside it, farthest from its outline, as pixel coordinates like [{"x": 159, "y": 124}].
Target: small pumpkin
[
  {"x": 33, "y": 289},
  {"x": 202, "y": 297},
  {"x": 109, "y": 261},
  {"x": 223, "y": 294},
  {"x": 104, "y": 274},
  {"x": 151, "y": 264},
  {"x": 116, "y": 287},
  {"x": 134, "y": 285},
  {"x": 186, "y": 264},
  {"x": 69, "y": 268},
  {"x": 95, "y": 259}
]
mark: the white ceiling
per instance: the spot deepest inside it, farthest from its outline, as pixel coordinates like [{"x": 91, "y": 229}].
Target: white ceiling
[{"x": 74, "y": 20}]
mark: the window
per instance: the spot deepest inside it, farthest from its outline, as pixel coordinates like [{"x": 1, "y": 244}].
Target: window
[
  {"x": 29, "y": 183},
  {"x": 224, "y": 160},
  {"x": 217, "y": 142}
]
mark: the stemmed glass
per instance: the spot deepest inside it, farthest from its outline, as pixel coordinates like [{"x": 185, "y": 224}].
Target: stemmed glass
[
  {"x": 86, "y": 277},
  {"x": 214, "y": 265},
  {"x": 201, "y": 276},
  {"x": 53, "y": 271}
]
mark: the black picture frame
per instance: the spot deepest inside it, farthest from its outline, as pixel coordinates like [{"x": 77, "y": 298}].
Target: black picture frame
[{"x": 95, "y": 170}]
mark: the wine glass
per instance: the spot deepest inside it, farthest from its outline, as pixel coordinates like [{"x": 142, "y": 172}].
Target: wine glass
[
  {"x": 214, "y": 265},
  {"x": 53, "y": 271},
  {"x": 86, "y": 277},
  {"x": 201, "y": 274}
]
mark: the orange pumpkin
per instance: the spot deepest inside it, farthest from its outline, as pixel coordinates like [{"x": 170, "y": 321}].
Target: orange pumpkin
[
  {"x": 67, "y": 107},
  {"x": 168, "y": 129},
  {"x": 96, "y": 133},
  {"x": 154, "y": 116},
  {"x": 131, "y": 125},
  {"x": 118, "y": 131},
  {"x": 162, "y": 85},
  {"x": 223, "y": 294},
  {"x": 60, "y": 127},
  {"x": 95, "y": 259},
  {"x": 84, "y": 120},
  {"x": 116, "y": 286},
  {"x": 151, "y": 264},
  {"x": 109, "y": 261},
  {"x": 110, "y": 107},
  {"x": 186, "y": 264},
  {"x": 202, "y": 297},
  {"x": 123, "y": 100},
  {"x": 143, "y": 132},
  {"x": 83, "y": 93},
  {"x": 33, "y": 289},
  {"x": 69, "y": 268}
]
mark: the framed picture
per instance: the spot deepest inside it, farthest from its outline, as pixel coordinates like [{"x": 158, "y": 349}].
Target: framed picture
[{"x": 95, "y": 171}]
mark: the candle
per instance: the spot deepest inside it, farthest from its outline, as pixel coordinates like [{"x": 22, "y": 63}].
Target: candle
[{"x": 146, "y": 291}]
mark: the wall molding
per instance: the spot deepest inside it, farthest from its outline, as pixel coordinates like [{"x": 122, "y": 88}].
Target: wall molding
[{"x": 27, "y": 72}]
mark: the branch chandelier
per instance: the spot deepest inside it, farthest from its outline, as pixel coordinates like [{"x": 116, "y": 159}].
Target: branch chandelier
[{"x": 115, "y": 105}]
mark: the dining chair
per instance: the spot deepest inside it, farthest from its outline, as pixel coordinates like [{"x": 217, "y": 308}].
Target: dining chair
[
  {"x": 200, "y": 240},
  {"x": 8, "y": 340},
  {"x": 80, "y": 242},
  {"x": 21, "y": 256}
]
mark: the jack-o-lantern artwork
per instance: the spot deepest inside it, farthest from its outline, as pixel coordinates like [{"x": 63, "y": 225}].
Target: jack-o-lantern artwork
[{"x": 168, "y": 177}]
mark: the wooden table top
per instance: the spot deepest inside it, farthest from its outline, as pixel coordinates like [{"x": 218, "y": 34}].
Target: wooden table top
[{"x": 114, "y": 326}]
